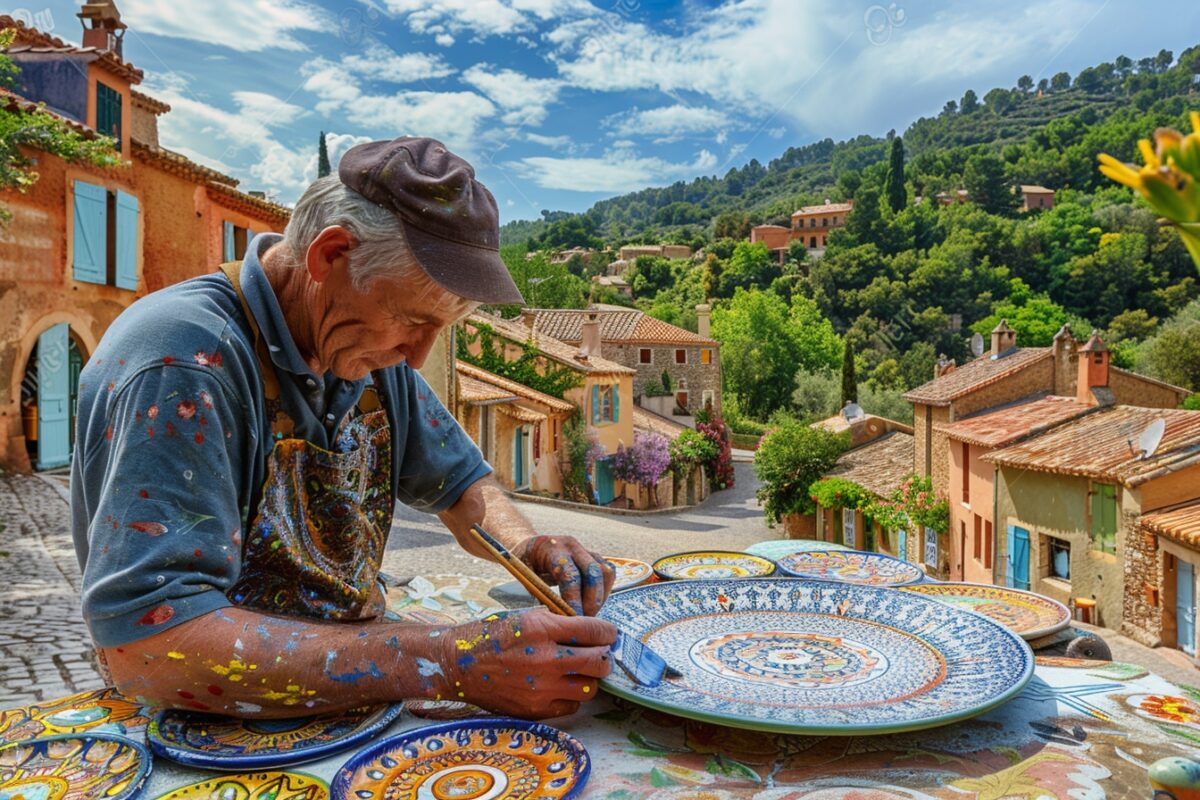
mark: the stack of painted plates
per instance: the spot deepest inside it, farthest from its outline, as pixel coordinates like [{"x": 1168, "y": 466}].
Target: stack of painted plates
[
  {"x": 74, "y": 766},
  {"x": 851, "y": 566},
  {"x": 776, "y": 549},
  {"x": 712, "y": 564},
  {"x": 1026, "y": 614}
]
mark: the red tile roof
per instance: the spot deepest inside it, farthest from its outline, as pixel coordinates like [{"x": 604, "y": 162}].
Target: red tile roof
[
  {"x": 31, "y": 40},
  {"x": 974, "y": 375},
  {"x": 149, "y": 103},
  {"x": 471, "y": 390},
  {"x": 551, "y": 348},
  {"x": 1098, "y": 446},
  {"x": 1003, "y": 426},
  {"x": 880, "y": 465},
  {"x": 617, "y": 324},
  {"x": 644, "y": 420},
  {"x": 1180, "y": 524},
  {"x": 823, "y": 209},
  {"x": 498, "y": 383}
]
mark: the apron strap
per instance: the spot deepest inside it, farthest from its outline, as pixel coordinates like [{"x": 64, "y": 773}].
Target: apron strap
[{"x": 233, "y": 271}]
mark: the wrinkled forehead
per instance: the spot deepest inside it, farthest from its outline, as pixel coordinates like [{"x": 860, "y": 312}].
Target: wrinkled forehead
[{"x": 422, "y": 297}]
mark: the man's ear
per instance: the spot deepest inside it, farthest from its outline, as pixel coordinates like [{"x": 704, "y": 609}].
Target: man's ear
[{"x": 328, "y": 252}]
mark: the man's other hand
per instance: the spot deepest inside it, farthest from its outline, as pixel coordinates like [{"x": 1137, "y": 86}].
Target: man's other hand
[{"x": 584, "y": 578}]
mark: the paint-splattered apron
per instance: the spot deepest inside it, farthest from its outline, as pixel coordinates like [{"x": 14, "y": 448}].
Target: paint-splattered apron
[{"x": 317, "y": 540}]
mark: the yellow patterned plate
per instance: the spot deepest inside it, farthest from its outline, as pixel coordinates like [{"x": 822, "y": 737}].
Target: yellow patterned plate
[
  {"x": 102, "y": 711},
  {"x": 254, "y": 786},
  {"x": 630, "y": 572},
  {"x": 1026, "y": 614},
  {"x": 79, "y": 766},
  {"x": 712, "y": 564}
]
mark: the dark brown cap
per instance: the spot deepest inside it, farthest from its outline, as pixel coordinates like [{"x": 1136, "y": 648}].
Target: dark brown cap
[{"x": 449, "y": 218}]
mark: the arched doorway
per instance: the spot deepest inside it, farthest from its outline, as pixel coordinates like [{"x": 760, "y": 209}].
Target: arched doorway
[{"x": 50, "y": 397}]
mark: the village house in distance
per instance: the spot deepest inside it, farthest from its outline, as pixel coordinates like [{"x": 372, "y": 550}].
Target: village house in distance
[{"x": 85, "y": 242}]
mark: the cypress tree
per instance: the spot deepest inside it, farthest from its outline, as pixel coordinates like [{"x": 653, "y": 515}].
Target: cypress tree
[
  {"x": 849, "y": 383},
  {"x": 323, "y": 168},
  {"x": 894, "y": 185}
]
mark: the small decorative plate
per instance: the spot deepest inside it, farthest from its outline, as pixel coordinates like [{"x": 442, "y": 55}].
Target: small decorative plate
[
  {"x": 225, "y": 743},
  {"x": 73, "y": 766},
  {"x": 254, "y": 786},
  {"x": 851, "y": 566},
  {"x": 816, "y": 657},
  {"x": 712, "y": 564},
  {"x": 776, "y": 549},
  {"x": 102, "y": 710},
  {"x": 1024, "y": 613},
  {"x": 630, "y": 572},
  {"x": 476, "y": 759}
]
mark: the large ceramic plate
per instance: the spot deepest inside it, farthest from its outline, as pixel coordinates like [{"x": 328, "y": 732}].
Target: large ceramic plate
[
  {"x": 1024, "y": 613},
  {"x": 799, "y": 656},
  {"x": 850, "y": 566},
  {"x": 712, "y": 564},
  {"x": 630, "y": 572},
  {"x": 224, "y": 743},
  {"x": 476, "y": 759},
  {"x": 73, "y": 767},
  {"x": 102, "y": 711},
  {"x": 776, "y": 549},
  {"x": 254, "y": 786}
]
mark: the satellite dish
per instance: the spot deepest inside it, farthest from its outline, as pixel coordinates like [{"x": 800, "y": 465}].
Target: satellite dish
[
  {"x": 853, "y": 411},
  {"x": 1150, "y": 439},
  {"x": 977, "y": 345}
]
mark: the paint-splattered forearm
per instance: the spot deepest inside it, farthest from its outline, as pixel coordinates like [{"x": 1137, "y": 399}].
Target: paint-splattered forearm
[
  {"x": 485, "y": 503},
  {"x": 247, "y": 664}
]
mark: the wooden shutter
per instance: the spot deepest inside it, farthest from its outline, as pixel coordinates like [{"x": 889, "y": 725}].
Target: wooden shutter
[
  {"x": 127, "y": 227},
  {"x": 90, "y": 255},
  {"x": 1020, "y": 560},
  {"x": 230, "y": 251},
  {"x": 595, "y": 404},
  {"x": 616, "y": 402}
]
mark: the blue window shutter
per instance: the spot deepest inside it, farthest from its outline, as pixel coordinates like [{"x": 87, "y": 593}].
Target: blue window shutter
[
  {"x": 127, "y": 226},
  {"x": 1012, "y": 546},
  {"x": 229, "y": 246},
  {"x": 595, "y": 404},
  {"x": 91, "y": 231},
  {"x": 616, "y": 402},
  {"x": 1021, "y": 560}
]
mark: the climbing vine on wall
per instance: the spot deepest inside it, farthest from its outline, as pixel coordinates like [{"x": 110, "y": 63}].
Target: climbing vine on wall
[{"x": 530, "y": 368}]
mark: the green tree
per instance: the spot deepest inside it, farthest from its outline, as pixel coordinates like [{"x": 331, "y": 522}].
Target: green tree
[
  {"x": 817, "y": 345},
  {"x": 323, "y": 168},
  {"x": 969, "y": 102},
  {"x": 1035, "y": 320},
  {"x": 750, "y": 265},
  {"x": 987, "y": 185},
  {"x": 759, "y": 353},
  {"x": 893, "y": 187},
  {"x": 849, "y": 381},
  {"x": 1174, "y": 355},
  {"x": 788, "y": 461},
  {"x": 1025, "y": 83},
  {"x": 1060, "y": 82},
  {"x": 732, "y": 225}
]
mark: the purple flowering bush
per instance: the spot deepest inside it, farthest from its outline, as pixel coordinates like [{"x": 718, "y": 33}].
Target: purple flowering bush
[{"x": 645, "y": 462}]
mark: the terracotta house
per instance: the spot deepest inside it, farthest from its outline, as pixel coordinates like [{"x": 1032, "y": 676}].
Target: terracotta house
[
  {"x": 1162, "y": 578},
  {"x": 649, "y": 347},
  {"x": 85, "y": 242},
  {"x": 1035, "y": 197}
]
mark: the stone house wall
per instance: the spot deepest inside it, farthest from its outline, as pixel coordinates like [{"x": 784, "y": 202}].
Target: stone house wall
[
  {"x": 699, "y": 377},
  {"x": 1142, "y": 613}
]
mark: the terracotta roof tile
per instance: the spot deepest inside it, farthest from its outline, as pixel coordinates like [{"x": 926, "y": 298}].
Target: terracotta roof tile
[
  {"x": 1008, "y": 424},
  {"x": 550, "y": 347},
  {"x": 644, "y": 420},
  {"x": 471, "y": 390},
  {"x": 36, "y": 41},
  {"x": 625, "y": 325},
  {"x": 498, "y": 383},
  {"x": 520, "y": 413},
  {"x": 177, "y": 164},
  {"x": 1180, "y": 524},
  {"x": 823, "y": 208},
  {"x": 880, "y": 465},
  {"x": 1098, "y": 446},
  {"x": 148, "y": 102},
  {"x": 975, "y": 375}
]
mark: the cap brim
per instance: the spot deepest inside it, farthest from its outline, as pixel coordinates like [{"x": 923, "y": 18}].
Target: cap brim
[{"x": 475, "y": 273}]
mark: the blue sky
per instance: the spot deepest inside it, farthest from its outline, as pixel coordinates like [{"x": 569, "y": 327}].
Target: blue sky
[{"x": 560, "y": 103}]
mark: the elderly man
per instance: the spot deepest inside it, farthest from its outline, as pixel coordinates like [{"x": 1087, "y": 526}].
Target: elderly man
[{"x": 243, "y": 437}]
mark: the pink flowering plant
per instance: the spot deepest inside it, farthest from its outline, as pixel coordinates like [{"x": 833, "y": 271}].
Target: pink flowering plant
[
  {"x": 913, "y": 505},
  {"x": 644, "y": 463},
  {"x": 720, "y": 469},
  {"x": 840, "y": 493}
]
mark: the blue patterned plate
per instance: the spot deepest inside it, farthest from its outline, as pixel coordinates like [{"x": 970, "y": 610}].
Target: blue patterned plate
[
  {"x": 225, "y": 743},
  {"x": 814, "y": 657},
  {"x": 476, "y": 759},
  {"x": 851, "y": 566},
  {"x": 776, "y": 549},
  {"x": 74, "y": 766}
]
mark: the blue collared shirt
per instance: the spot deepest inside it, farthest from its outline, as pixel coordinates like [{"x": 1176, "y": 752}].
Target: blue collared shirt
[{"x": 172, "y": 443}]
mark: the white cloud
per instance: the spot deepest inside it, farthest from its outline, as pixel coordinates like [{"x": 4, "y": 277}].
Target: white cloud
[
  {"x": 523, "y": 98},
  {"x": 481, "y": 18},
  {"x": 556, "y": 142},
  {"x": 669, "y": 123},
  {"x": 247, "y": 25},
  {"x": 267, "y": 109},
  {"x": 444, "y": 39},
  {"x": 620, "y": 170},
  {"x": 384, "y": 64}
]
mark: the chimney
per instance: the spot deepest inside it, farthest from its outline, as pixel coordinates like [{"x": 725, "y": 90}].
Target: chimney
[
  {"x": 703, "y": 312},
  {"x": 589, "y": 344},
  {"x": 107, "y": 30},
  {"x": 1004, "y": 339},
  {"x": 1092, "y": 385},
  {"x": 528, "y": 317},
  {"x": 944, "y": 366},
  {"x": 1063, "y": 349}
]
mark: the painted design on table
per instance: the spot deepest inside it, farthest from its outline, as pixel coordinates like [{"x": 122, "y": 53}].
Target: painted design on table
[
  {"x": 429, "y": 599},
  {"x": 473, "y": 760},
  {"x": 630, "y": 572},
  {"x": 226, "y": 743},
  {"x": 802, "y": 656},
  {"x": 776, "y": 549},
  {"x": 851, "y": 566},
  {"x": 73, "y": 767},
  {"x": 254, "y": 786},
  {"x": 1025, "y": 613},
  {"x": 101, "y": 711},
  {"x": 712, "y": 564}
]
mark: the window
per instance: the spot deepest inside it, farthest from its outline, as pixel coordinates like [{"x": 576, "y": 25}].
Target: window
[
  {"x": 931, "y": 548},
  {"x": 812, "y": 242},
  {"x": 1104, "y": 517},
  {"x": 812, "y": 223},
  {"x": 235, "y": 238},
  {"x": 987, "y": 544},
  {"x": 108, "y": 112},
  {"x": 554, "y": 435},
  {"x": 849, "y": 535},
  {"x": 978, "y": 537},
  {"x": 708, "y": 398},
  {"x": 105, "y": 242},
  {"x": 1060, "y": 559},
  {"x": 606, "y": 404},
  {"x": 824, "y": 222},
  {"x": 681, "y": 356},
  {"x": 706, "y": 355},
  {"x": 835, "y": 220},
  {"x": 966, "y": 475},
  {"x": 645, "y": 356}
]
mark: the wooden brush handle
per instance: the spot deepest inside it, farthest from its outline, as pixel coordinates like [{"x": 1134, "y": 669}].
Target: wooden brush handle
[{"x": 540, "y": 590}]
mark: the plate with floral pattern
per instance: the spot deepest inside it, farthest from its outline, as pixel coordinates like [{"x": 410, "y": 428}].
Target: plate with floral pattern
[
  {"x": 477, "y": 759},
  {"x": 776, "y": 549},
  {"x": 1024, "y": 613},
  {"x": 851, "y": 566},
  {"x": 226, "y": 743},
  {"x": 712, "y": 564},
  {"x": 630, "y": 572},
  {"x": 253, "y": 786},
  {"x": 816, "y": 657},
  {"x": 73, "y": 766},
  {"x": 101, "y": 710}
]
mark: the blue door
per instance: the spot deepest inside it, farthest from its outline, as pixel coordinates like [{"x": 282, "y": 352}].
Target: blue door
[
  {"x": 605, "y": 488},
  {"x": 902, "y": 543},
  {"x": 1018, "y": 558},
  {"x": 54, "y": 396},
  {"x": 1185, "y": 607}
]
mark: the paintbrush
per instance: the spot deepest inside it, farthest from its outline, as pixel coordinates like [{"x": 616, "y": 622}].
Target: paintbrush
[{"x": 640, "y": 663}]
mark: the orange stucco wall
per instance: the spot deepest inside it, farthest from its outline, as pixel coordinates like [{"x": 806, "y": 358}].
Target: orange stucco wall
[{"x": 980, "y": 477}]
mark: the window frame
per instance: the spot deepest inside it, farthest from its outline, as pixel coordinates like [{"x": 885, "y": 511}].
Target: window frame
[
  {"x": 646, "y": 355},
  {"x": 706, "y": 356},
  {"x": 678, "y": 351}
]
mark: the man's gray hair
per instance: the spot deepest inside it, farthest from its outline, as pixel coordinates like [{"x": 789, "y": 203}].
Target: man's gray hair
[{"x": 381, "y": 249}]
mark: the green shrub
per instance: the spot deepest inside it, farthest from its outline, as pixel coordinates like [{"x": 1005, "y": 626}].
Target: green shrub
[{"x": 789, "y": 460}]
